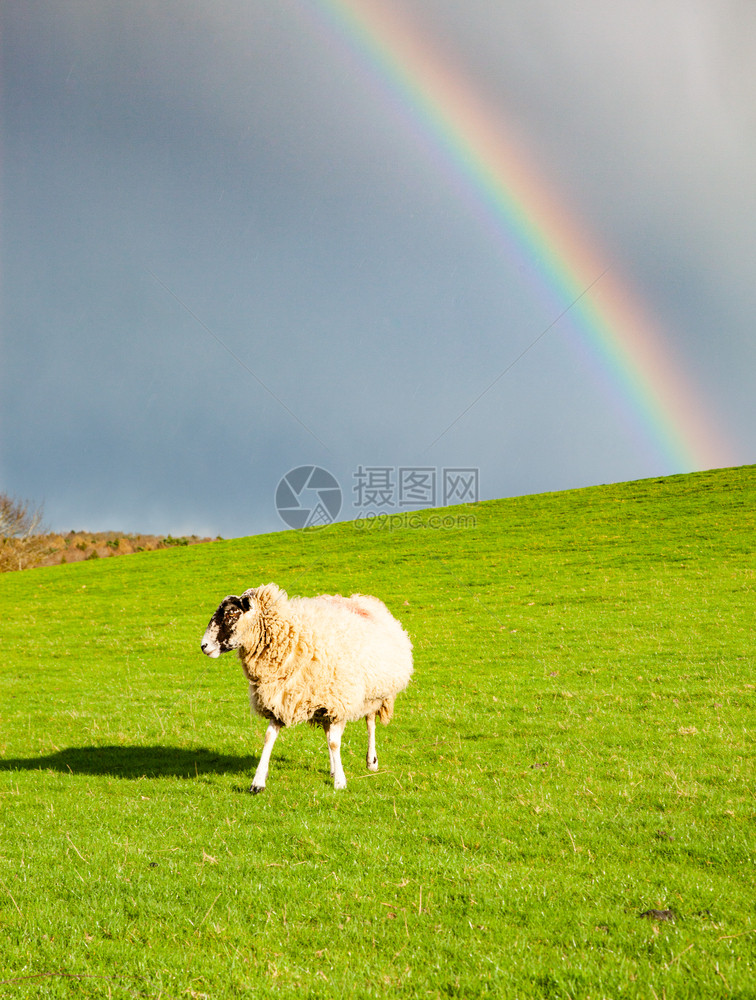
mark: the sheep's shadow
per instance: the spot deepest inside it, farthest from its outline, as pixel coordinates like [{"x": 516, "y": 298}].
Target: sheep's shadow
[{"x": 133, "y": 762}]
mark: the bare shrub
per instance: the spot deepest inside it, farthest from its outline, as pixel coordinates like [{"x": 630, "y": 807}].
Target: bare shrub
[{"x": 22, "y": 543}]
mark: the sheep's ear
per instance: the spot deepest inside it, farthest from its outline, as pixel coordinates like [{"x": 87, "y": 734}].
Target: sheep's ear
[{"x": 246, "y": 599}]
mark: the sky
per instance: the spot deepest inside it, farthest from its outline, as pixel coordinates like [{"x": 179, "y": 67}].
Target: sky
[{"x": 368, "y": 237}]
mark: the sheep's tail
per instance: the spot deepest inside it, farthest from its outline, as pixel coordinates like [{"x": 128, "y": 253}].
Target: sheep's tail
[{"x": 386, "y": 710}]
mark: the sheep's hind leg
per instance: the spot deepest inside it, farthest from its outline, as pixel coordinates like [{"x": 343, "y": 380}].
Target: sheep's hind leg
[
  {"x": 326, "y": 730},
  {"x": 261, "y": 774},
  {"x": 333, "y": 732},
  {"x": 372, "y": 756}
]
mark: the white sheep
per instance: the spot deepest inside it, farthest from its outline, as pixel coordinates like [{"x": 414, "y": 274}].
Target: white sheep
[{"x": 327, "y": 660}]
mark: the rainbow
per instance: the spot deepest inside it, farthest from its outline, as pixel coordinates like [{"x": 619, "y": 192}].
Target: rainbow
[{"x": 632, "y": 355}]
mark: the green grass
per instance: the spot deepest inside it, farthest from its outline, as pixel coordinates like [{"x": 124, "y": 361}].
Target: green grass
[{"x": 576, "y": 748}]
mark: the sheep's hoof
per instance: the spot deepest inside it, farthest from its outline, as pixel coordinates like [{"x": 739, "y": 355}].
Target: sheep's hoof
[
  {"x": 373, "y": 764},
  {"x": 256, "y": 789},
  {"x": 338, "y": 785}
]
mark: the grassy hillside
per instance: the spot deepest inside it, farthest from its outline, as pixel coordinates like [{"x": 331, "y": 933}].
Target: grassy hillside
[{"x": 576, "y": 749}]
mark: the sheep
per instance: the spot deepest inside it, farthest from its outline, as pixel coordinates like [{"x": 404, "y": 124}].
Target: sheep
[{"x": 326, "y": 660}]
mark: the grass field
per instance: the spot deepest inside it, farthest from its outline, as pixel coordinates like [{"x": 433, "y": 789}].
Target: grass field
[{"x": 576, "y": 749}]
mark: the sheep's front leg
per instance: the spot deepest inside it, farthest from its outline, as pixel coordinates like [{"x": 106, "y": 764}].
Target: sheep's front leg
[
  {"x": 372, "y": 756},
  {"x": 333, "y": 732},
  {"x": 258, "y": 782}
]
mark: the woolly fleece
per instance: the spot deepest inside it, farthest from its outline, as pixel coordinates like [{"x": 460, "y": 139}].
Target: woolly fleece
[{"x": 327, "y": 657}]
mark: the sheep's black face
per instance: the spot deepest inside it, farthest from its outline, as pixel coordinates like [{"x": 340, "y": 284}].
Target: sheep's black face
[{"x": 220, "y": 635}]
